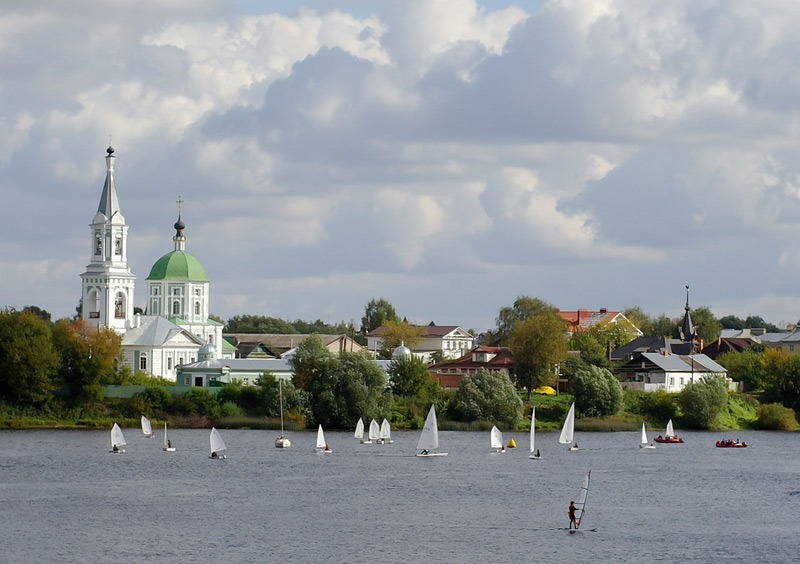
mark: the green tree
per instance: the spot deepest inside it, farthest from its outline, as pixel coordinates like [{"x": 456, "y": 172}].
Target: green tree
[
  {"x": 702, "y": 402},
  {"x": 408, "y": 375},
  {"x": 539, "y": 346},
  {"x": 705, "y": 324},
  {"x": 259, "y": 324},
  {"x": 38, "y": 312},
  {"x": 28, "y": 360},
  {"x": 642, "y": 320},
  {"x": 487, "y": 396},
  {"x": 377, "y": 313},
  {"x": 745, "y": 367},
  {"x": 663, "y": 326},
  {"x": 396, "y": 333},
  {"x": 523, "y": 309},
  {"x": 732, "y": 322},
  {"x": 782, "y": 383},
  {"x": 310, "y": 362},
  {"x": 597, "y": 392}
]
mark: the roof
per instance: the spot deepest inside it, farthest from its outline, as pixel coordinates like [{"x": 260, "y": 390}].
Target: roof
[
  {"x": 502, "y": 359},
  {"x": 425, "y": 331},
  {"x": 178, "y": 265},
  {"x": 276, "y": 344},
  {"x": 651, "y": 345},
  {"x": 724, "y": 345},
  {"x": 154, "y": 331},
  {"x": 676, "y": 363},
  {"x": 584, "y": 319}
]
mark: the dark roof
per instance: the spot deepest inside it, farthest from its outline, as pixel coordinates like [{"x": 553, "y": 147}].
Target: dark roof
[
  {"x": 651, "y": 344},
  {"x": 502, "y": 359},
  {"x": 424, "y": 330},
  {"x": 729, "y": 344}
]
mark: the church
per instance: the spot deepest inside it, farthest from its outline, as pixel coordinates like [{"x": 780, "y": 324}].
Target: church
[{"x": 175, "y": 328}]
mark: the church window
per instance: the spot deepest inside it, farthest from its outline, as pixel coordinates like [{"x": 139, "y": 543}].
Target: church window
[
  {"x": 154, "y": 291},
  {"x": 118, "y": 246},
  {"x": 197, "y": 308},
  {"x": 119, "y": 307},
  {"x": 176, "y": 307},
  {"x": 143, "y": 362},
  {"x": 198, "y": 292},
  {"x": 98, "y": 244},
  {"x": 176, "y": 291},
  {"x": 169, "y": 363},
  {"x": 154, "y": 308}
]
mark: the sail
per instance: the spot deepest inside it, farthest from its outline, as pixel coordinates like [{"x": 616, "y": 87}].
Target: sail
[
  {"x": 568, "y": 430},
  {"x": 320, "y": 438},
  {"x": 216, "y": 443},
  {"x": 644, "y": 435},
  {"x": 670, "y": 431},
  {"x": 117, "y": 439},
  {"x": 533, "y": 430},
  {"x": 147, "y": 429},
  {"x": 165, "y": 434},
  {"x": 374, "y": 430},
  {"x": 359, "y": 429},
  {"x": 584, "y": 493},
  {"x": 429, "y": 438},
  {"x": 496, "y": 438},
  {"x": 386, "y": 431}
]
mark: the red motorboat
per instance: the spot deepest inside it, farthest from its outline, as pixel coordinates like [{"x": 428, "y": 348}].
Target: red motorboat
[
  {"x": 672, "y": 439},
  {"x": 728, "y": 443}
]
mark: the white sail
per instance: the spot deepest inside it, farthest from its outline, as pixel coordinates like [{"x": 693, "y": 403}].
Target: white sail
[
  {"x": 429, "y": 438},
  {"x": 670, "y": 431},
  {"x": 386, "y": 432},
  {"x": 533, "y": 434},
  {"x": 374, "y": 430},
  {"x": 216, "y": 443},
  {"x": 320, "y": 438},
  {"x": 496, "y": 438},
  {"x": 568, "y": 430},
  {"x": 644, "y": 435},
  {"x": 117, "y": 439},
  {"x": 147, "y": 429},
  {"x": 359, "y": 434},
  {"x": 584, "y": 493}
]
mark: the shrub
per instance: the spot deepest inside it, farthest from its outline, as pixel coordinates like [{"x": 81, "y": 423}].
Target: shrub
[
  {"x": 488, "y": 396},
  {"x": 775, "y": 417},
  {"x": 702, "y": 402},
  {"x": 597, "y": 392}
]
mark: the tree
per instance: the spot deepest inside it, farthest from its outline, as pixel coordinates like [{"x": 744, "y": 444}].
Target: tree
[
  {"x": 745, "y": 367},
  {"x": 487, "y": 396},
  {"x": 396, "y": 333},
  {"x": 639, "y": 318},
  {"x": 259, "y": 324},
  {"x": 702, "y": 402},
  {"x": 38, "y": 312},
  {"x": 408, "y": 375},
  {"x": 310, "y": 362},
  {"x": 28, "y": 359},
  {"x": 758, "y": 321},
  {"x": 732, "y": 322},
  {"x": 782, "y": 383},
  {"x": 539, "y": 345},
  {"x": 594, "y": 343},
  {"x": 524, "y": 308},
  {"x": 597, "y": 392},
  {"x": 663, "y": 326},
  {"x": 705, "y": 324},
  {"x": 377, "y": 313}
]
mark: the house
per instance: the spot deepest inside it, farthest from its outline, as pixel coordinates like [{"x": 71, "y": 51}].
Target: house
[
  {"x": 652, "y": 371},
  {"x": 494, "y": 359},
  {"x": 583, "y": 320},
  {"x": 451, "y": 341},
  {"x": 728, "y": 344},
  {"x": 788, "y": 341},
  {"x": 268, "y": 345},
  {"x": 662, "y": 345}
]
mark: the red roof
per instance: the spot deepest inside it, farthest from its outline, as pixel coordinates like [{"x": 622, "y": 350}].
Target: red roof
[{"x": 583, "y": 319}]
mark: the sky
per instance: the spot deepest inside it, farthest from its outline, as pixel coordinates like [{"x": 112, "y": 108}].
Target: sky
[{"x": 447, "y": 156}]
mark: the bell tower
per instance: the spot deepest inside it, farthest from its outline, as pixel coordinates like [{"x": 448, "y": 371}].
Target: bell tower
[{"x": 107, "y": 293}]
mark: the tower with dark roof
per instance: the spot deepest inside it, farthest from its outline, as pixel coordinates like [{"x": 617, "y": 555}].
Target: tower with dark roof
[
  {"x": 687, "y": 331},
  {"x": 107, "y": 283}
]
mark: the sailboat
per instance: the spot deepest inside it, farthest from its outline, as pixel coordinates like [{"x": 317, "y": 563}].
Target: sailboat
[
  {"x": 322, "y": 446},
  {"x": 496, "y": 439},
  {"x": 359, "y": 432},
  {"x": 385, "y": 435},
  {"x": 374, "y": 432},
  {"x": 167, "y": 443},
  {"x": 147, "y": 429},
  {"x": 429, "y": 438},
  {"x": 644, "y": 443},
  {"x": 282, "y": 441},
  {"x": 534, "y": 453},
  {"x": 580, "y": 505},
  {"x": 669, "y": 436},
  {"x": 217, "y": 445},
  {"x": 117, "y": 440},
  {"x": 568, "y": 430}
]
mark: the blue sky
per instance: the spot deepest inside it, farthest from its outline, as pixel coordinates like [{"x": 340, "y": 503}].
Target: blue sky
[{"x": 448, "y": 156}]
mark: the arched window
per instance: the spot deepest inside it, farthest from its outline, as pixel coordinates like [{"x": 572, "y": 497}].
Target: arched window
[
  {"x": 197, "y": 308},
  {"x": 154, "y": 307},
  {"x": 119, "y": 306},
  {"x": 93, "y": 304},
  {"x": 176, "y": 307}
]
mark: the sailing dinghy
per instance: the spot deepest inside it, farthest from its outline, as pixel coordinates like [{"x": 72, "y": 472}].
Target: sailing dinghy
[
  {"x": 359, "y": 432},
  {"x": 147, "y": 429},
  {"x": 322, "y": 447},
  {"x": 282, "y": 441},
  {"x": 385, "y": 436},
  {"x": 374, "y": 432},
  {"x": 167, "y": 443},
  {"x": 117, "y": 440},
  {"x": 429, "y": 438},
  {"x": 644, "y": 443},
  {"x": 496, "y": 439},
  {"x": 568, "y": 430},
  {"x": 534, "y": 452},
  {"x": 217, "y": 445},
  {"x": 669, "y": 436}
]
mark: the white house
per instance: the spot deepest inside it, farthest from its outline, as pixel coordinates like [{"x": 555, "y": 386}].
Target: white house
[
  {"x": 452, "y": 341},
  {"x": 652, "y": 371}
]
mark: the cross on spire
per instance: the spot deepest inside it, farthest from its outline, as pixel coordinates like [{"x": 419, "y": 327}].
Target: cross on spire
[{"x": 179, "y": 201}]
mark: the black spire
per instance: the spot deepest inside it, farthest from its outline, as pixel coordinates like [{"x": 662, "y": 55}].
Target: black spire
[{"x": 687, "y": 332}]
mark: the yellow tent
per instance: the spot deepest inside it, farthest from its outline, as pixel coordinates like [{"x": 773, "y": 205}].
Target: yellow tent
[{"x": 545, "y": 390}]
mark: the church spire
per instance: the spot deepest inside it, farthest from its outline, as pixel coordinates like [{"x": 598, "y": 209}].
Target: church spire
[
  {"x": 179, "y": 238},
  {"x": 109, "y": 203},
  {"x": 687, "y": 331}
]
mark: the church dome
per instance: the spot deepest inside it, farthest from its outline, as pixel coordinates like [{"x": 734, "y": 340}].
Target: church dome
[
  {"x": 178, "y": 265},
  {"x": 401, "y": 351}
]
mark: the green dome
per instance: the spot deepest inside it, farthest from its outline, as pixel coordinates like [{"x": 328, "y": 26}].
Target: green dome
[{"x": 178, "y": 265}]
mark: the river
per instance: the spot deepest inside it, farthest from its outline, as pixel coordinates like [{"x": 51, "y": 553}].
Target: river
[{"x": 65, "y": 498}]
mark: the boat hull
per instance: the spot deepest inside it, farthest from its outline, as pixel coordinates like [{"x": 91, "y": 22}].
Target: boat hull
[
  {"x": 431, "y": 455},
  {"x": 170, "y": 449},
  {"x": 668, "y": 441},
  {"x": 720, "y": 444},
  {"x": 282, "y": 442}
]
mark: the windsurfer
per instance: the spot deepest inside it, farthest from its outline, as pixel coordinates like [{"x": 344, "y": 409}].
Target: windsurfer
[
  {"x": 571, "y": 512},
  {"x": 214, "y": 455}
]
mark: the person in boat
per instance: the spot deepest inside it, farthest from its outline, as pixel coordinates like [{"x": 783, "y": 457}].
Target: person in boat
[
  {"x": 169, "y": 443},
  {"x": 537, "y": 453},
  {"x": 115, "y": 448},
  {"x": 659, "y": 437},
  {"x": 575, "y": 445},
  {"x": 214, "y": 455},
  {"x": 425, "y": 451},
  {"x": 328, "y": 447},
  {"x": 571, "y": 512}
]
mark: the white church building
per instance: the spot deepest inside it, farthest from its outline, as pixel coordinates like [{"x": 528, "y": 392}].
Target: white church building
[{"x": 177, "y": 325}]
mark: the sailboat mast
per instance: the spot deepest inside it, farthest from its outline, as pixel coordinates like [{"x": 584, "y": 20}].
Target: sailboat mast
[
  {"x": 583, "y": 496},
  {"x": 280, "y": 395}
]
